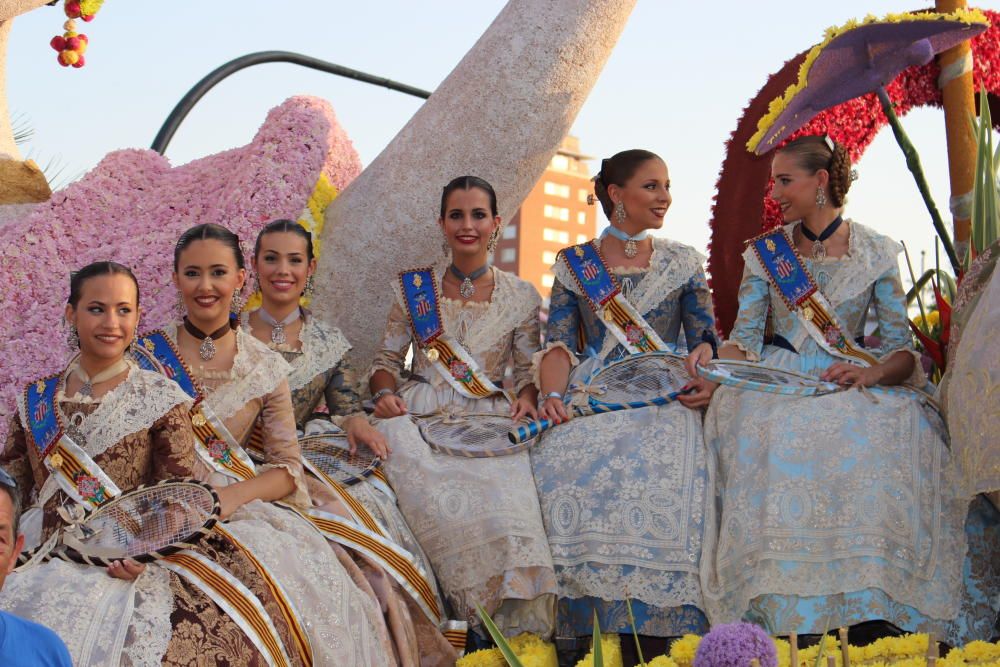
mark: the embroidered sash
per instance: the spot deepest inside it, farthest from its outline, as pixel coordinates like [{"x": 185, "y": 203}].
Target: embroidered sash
[
  {"x": 214, "y": 444},
  {"x": 787, "y": 273},
  {"x": 605, "y": 298},
  {"x": 161, "y": 355},
  {"x": 447, "y": 356},
  {"x": 72, "y": 468}
]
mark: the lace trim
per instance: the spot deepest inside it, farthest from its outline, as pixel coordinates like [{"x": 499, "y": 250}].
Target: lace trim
[
  {"x": 299, "y": 496},
  {"x": 751, "y": 355},
  {"x": 513, "y": 301},
  {"x": 135, "y": 404},
  {"x": 257, "y": 370},
  {"x": 536, "y": 360},
  {"x": 150, "y": 631},
  {"x": 323, "y": 347},
  {"x": 671, "y": 265},
  {"x": 869, "y": 256}
]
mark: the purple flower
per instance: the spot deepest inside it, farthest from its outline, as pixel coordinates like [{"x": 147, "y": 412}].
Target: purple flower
[{"x": 735, "y": 645}]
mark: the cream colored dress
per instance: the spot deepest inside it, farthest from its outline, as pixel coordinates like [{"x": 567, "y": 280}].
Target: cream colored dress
[
  {"x": 478, "y": 519},
  {"x": 332, "y": 598}
]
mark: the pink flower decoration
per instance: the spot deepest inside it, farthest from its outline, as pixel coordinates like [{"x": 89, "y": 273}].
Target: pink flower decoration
[{"x": 132, "y": 207}]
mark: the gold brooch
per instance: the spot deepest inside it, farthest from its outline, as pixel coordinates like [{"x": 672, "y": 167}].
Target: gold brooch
[
  {"x": 56, "y": 460},
  {"x": 433, "y": 354},
  {"x": 40, "y": 387},
  {"x": 149, "y": 345},
  {"x": 579, "y": 251},
  {"x": 608, "y": 315},
  {"x": 808, "y": 313},
  {"x": 198, "y": 419},
  {"x": 770, "y": 245},
  {"x": 417, "y": 280}
]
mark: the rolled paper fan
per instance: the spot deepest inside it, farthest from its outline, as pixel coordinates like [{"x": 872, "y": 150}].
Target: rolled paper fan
[{"x": 860, "y": 58}]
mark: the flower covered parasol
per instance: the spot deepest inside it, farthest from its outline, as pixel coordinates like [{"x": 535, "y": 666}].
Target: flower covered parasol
[{"x": 859, "y": 58}]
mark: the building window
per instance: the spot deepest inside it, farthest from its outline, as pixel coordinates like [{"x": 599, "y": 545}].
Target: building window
[
  {"x": 556, "y": 212},
  {"x": 548, "y": 257},
  {"x": 510, "y": 232},
  {"x": 582, "y": 195},
  {"x": 508, "y": 254},
  {"x": 560, "y": 162},
  {"x": 556, "y": 189},
  {"x": 547, "y": 279},
  {"x": 556, "y": 235},
  {"x": 581, "y": 238},
  {"x": 581, "y": 217}
]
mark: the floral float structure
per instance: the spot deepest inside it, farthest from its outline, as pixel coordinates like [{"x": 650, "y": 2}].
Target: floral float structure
[{"x": 134, "y": 205}]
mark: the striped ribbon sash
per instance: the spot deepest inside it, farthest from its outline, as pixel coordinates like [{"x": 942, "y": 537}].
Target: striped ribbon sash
[
  {"x": 74, "y": 471},
  {"x": 787, "y": 273},
  {"x": 447, "y": 356},
  {"x": 605, "y": 298},
  {"x": 214, "y": 444}
]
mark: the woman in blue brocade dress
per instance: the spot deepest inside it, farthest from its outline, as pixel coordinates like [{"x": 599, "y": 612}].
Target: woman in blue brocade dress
[
  {"x": 625, "y": 494},
  {"x": 842, "y": 508}
]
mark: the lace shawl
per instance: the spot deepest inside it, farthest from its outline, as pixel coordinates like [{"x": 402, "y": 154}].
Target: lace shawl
[
  {"x": 322, "y": 348},
  {"x": 257, "y": 370},
  {"x": 134, "y": 405}
]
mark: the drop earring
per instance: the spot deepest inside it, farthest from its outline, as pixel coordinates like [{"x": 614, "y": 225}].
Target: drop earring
[
  {"x": 620, "y": 213},
  {"x": 236, "y": 305},
  {"x": 310, "y": 287},
  {"x": 73, "y": 338},
  {"x": 820, "y": 197}
]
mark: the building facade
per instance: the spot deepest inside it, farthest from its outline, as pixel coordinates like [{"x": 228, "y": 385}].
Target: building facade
[{"x": 555, "y": 214}]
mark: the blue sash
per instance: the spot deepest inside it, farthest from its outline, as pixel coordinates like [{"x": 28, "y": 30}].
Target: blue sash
[
  {"x": 447, "y": 356},
  {"x": 605, "y": 298},
  {"x": 787, "y": 273},
  {"x": 74, "y": 471}
]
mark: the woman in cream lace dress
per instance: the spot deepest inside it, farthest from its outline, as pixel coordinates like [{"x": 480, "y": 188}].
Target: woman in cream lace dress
[
  {"x": 846, "y": 507},
  {"x": 477, "y": 519},
  {"x": 321, "y": 376}
]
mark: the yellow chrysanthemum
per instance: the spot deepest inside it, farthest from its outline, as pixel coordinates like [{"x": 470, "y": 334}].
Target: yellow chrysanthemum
[
  {"x": 490, "y": 657},
  {"x": 661, "y": 661},
  {"x": 611, "y": 649},
  {"x": 683, "y": 650}
]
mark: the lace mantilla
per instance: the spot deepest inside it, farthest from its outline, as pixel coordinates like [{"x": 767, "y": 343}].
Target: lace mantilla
[
  {"x": 257, "y": 370},
  {"x": 513, "y": 301},
  {"x": 322, "y": 348},
  {"x": 135, "y": 404},
  {"x": 869, "y": 256}
]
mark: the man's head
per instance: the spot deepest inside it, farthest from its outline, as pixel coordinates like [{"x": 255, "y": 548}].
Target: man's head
[{"x": 11, "y": 542}]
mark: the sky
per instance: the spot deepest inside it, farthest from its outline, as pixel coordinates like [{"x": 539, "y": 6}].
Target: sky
[{"x": 676, "y": 84}]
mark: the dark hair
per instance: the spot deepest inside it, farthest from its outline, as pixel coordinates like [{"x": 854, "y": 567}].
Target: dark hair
[
  {"x": 205, "y": 232},
  {"x": 78, "y": 278},
  {"x": 8, "y": 485},
  {"x": 616, "y": 170},
  {"x": 282, "y": 226},
  {"x": 812, "y": 153},
  {"x": 467, "y": 183}
]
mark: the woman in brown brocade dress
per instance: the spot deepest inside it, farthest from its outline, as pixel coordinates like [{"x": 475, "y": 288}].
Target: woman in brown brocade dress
[
  {"x": 320, "y": 373},
  {"x": 134, "y": 425}
]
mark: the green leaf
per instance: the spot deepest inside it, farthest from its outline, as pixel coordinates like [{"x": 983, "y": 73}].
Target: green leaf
[
  {"x": 597, "y": 648},
  {"x": 822, "y": 644},
  {"x": 501, "y": 641}
]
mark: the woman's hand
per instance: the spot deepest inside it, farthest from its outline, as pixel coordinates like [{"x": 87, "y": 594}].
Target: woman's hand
[
  {"x": 521, "y": 408},
  {"x": 702, "y": 394},
  {"x": 127, "y": 569},
  {"x": 230, "y": 499},
  {"x": 390, "y": 406},
  {"x": 359, "y": 431},
  {"x": 699, "y": 356},
  {"x": 554, "y": 409},
  {"x": 847, "y": 375}
]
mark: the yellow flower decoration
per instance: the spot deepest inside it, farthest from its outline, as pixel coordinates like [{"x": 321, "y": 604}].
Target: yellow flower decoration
[
  {"x": 683, "y": 650},
  {"x": 611, "y": 649},
  {"x": 661, "y": 661}
]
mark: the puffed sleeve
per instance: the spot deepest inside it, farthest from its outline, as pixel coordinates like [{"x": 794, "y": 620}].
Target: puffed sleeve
[
  {"x": 173, "y": 445},
  {"x": 697, "y": 315},
  {"x": 562, "y": 329},
  {"x": 396, "y": 341},
  {"x": 893, "y": 324},
  {"x": 14, "y": 459},
  {"x": 748, "y": 331},
  {"x": 341, "y": 392},
  {"x": 525, "y": 345},
  {"x": 281, "y": 443}
]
